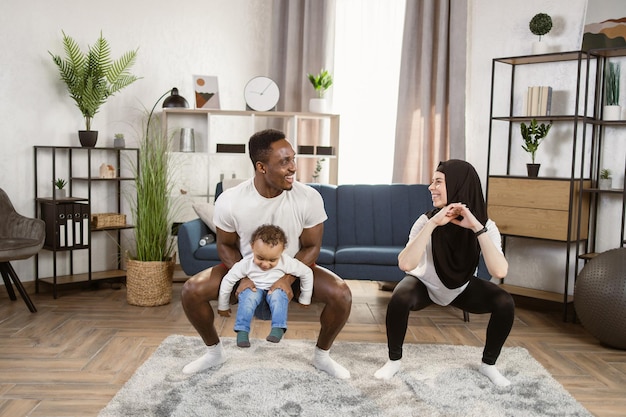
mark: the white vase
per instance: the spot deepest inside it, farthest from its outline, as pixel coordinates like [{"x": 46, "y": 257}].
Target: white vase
[
  {"x": 540, "y": 48},
  {"x": 59, "y": 193},
  {"x": 612, "y": 113},
  {"x": 318, "y": 105},
  {"x": 605, "y": 183}
]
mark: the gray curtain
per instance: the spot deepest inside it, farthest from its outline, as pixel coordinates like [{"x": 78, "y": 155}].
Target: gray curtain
[
  {"x": 303, "y": 36},
  {"x": 431, "y": 103}
]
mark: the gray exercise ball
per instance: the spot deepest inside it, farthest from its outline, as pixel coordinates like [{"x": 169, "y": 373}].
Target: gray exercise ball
[{"x": 600, "y": 297}]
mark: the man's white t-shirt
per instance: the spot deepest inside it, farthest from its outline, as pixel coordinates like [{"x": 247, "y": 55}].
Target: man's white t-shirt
[
  {"x": 242, "y": 210},
  {"x": 426, "y": 272}
]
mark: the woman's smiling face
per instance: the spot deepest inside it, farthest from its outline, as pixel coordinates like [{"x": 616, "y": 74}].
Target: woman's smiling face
[{"x": 438, "y": 190}]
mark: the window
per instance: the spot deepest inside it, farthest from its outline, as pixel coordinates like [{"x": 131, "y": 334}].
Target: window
[{"x": 368, "y": 42}]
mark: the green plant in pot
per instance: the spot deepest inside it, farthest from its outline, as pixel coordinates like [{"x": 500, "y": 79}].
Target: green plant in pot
[
  {"x": 532, "y": 135},
  {"x": 321, "y": 83},
  {"x": 605, "y": 182},
  {"x": 612, "y": 110},
  {"x": 92, "y": 77},
  {"x": 540, "y": 25},
  {"x": 151, "y": 261},
  {"x": 59, "y": 191}
]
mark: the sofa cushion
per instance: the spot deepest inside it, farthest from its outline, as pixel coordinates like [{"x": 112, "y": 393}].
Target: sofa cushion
[
  {"x": 379, "y": 215},
  {"x": 205, "y": 212},
  {"x": 329, "y": 195},
  {"x": 378, "y": 255}
]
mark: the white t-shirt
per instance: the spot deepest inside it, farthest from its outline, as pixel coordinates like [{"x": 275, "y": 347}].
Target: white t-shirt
[
  {"x": 264, "y": 279},
  {"x": 242, "y": 210},
  {"x": 426, "y": 272}
]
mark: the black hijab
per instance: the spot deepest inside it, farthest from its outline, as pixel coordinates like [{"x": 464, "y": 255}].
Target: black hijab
[{"x": 456, "y": 249}]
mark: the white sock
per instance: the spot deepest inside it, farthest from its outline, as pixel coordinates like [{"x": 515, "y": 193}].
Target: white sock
[
  {"x": 388, "y": 370},
  {"x": 323, "y": 362},
  {"x": 213, "y": 357},
  {"x": 491, "y": 372}
]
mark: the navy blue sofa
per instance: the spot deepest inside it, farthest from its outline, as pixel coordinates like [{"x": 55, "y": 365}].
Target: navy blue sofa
[{"x": 367, "y": 227}]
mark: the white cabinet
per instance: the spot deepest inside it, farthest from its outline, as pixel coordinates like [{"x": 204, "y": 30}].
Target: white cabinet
[{"x": 221, "y": 146}]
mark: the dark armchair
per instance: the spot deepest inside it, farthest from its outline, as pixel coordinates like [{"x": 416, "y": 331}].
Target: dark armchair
[{"x": 20, "y": 238}]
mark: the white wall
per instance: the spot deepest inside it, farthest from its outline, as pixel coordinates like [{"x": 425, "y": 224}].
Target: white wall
[{"x": 229, "y": 39}]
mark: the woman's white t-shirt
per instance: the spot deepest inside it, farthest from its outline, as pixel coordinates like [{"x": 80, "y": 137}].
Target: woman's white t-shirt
[{"x": 425, "y": 270}]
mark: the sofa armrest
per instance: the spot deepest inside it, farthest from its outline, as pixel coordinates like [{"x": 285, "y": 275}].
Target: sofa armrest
[{"x": 189, "y": 234}]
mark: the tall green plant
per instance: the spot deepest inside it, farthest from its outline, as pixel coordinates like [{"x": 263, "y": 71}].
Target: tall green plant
[
  {"x": 92, "y": 77},
  {"x": 611, "y": 84},
  {"x": 150, "y": 207}
]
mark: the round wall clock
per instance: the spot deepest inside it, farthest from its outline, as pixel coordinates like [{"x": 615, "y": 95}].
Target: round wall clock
[{"x": 261, "y": 94}]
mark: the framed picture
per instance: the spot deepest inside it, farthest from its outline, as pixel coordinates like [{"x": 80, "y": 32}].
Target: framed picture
[
  {"x": 605, "y": 25},
  {"x": 206, "y": 91}
]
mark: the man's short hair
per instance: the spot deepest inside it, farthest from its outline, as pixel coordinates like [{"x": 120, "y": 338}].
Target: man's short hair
[{"x": 259, "y": 145}]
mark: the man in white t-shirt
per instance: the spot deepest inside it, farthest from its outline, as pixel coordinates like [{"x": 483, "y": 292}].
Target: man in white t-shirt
[{"x": 272, "y": 196}]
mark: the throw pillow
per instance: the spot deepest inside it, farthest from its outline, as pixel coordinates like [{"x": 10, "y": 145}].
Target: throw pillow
[{"x": 205, "y": 212}]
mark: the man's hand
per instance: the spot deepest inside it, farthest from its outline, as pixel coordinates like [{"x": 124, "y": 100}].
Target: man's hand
[
  {"x": 224, "y": 313},
  {"x": 244, "y": 284},
  {"x": 284, "y": 284}
]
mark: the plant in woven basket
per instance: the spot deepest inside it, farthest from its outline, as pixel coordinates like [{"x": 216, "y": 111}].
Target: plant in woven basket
[
  {"x": 150, "y": 207},
  {"x": 151, "y": 261}
]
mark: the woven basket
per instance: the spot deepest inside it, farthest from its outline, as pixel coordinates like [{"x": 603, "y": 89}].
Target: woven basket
[
  {"x": 102, "y": 220},
  {"x": 149, "y": 284}
]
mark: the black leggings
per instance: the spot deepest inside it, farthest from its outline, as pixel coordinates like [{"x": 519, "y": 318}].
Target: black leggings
[{"x": 480, "y": 296}]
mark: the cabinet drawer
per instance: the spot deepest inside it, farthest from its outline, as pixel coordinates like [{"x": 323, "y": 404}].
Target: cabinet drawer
[{"x": 536, "y": 207}]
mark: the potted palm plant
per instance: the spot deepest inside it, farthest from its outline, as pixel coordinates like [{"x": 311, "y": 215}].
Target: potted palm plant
[
  {"x": 321, "y": 82},
  {"x": 612, "y": 110},
  {"x": 151, "y": 262},
  {"x": 532, "y": 135},
  {"x": 92, "y": 77}
]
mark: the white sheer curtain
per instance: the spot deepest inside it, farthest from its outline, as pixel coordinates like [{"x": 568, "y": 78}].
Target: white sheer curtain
[{"x": 368, "y": 41}]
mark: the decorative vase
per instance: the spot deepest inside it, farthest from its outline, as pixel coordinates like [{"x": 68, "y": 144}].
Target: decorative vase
[
  {"x": 119, "y": 143},
  {"x": 605, "y": 183},
  {"x": 540, "y": 48},
  {"x": 318, "y": 105},
  {"x": 88, "y": 138},
  {"x": 60, "y": 193},
  {"x": 149, "y": 284},
  {"x": 533, "y": 170},
  {"x": 612, "y": 113}
]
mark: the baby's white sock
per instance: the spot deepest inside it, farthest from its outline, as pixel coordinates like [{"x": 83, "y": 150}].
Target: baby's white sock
[
  {"x": 323, "y": 362},
  {"x": 213, "y": 357},
  {"x": 491, "y": 372},
  {"x": 388, "y": 370}
]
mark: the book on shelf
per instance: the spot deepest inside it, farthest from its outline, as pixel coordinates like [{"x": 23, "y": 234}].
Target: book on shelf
[{"x": 539, "y": 101}]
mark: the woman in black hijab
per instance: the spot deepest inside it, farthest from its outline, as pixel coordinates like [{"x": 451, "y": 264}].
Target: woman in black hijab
[{"x": 440, "y": 260}]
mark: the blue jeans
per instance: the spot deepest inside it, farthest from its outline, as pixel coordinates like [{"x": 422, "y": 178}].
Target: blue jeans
[{"x": 249, "y": 301}]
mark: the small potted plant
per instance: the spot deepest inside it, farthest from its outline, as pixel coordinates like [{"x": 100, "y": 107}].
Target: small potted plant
[
  {"x": 606, "y": 181},
  {"x": 321, "y": 82},
  {"x": 92, "y": 77},
  {"x": 59, "y": 191},
  {"x": 119, "y": 141},
  {"x": 539, "y": 25},
  {"x": 532, "y": 135},
  {"x": 612, "y": 110}
]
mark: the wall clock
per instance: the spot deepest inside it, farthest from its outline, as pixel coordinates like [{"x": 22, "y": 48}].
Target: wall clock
[{"x": 261, "y": 94}]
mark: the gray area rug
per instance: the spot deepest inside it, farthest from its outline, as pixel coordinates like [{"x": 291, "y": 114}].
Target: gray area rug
[{"x": 278, "y": 380}]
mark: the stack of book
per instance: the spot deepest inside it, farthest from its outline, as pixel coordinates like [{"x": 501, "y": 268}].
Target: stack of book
[{"x": 538, "y": 101}]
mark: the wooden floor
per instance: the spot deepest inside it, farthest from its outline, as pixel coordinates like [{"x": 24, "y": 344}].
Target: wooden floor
[{"x": 76, "y": 352}]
